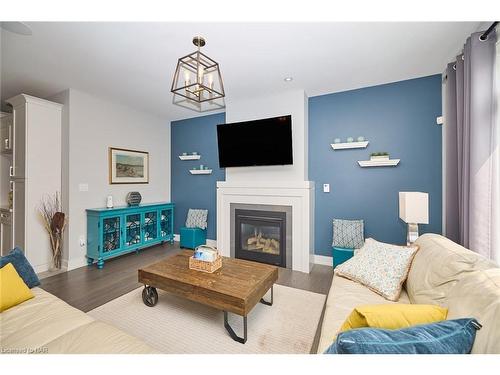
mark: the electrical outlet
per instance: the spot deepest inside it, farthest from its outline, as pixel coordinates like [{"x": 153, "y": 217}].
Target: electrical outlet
[
  {"x": 82, "y": 241},
  {"x": 326, "y": 188},
  {"x": 83, "y": 187}
]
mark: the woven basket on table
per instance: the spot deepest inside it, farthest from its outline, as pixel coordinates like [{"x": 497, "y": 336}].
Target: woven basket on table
[{"x": 204, "y": 266}]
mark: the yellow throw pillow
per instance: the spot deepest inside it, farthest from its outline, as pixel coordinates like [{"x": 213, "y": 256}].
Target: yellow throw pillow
[
  {"x": 13, "y": 290},
  {"x": 393, "y": 316}
]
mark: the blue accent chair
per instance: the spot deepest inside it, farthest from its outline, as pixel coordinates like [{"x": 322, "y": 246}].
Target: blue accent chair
[{"x": 193, "y": 237}]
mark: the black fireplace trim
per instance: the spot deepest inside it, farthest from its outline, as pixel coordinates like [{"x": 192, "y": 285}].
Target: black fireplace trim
[{"x": 260, "y": 216}]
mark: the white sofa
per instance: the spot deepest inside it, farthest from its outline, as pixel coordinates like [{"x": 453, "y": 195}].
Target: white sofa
[
  {"x": 46, "y": 324},
  {"x": 442, "y": 273}
]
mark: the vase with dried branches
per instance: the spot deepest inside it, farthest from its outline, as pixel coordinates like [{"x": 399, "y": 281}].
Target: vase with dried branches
[{"x": 55, "y": 222}]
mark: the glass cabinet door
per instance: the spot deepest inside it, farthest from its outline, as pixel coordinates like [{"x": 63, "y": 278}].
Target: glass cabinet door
[
  {"x": 111, "y": 233},
  {"x": 132, "y": 229},
  {"x": 165, "y": 223},
  {"x": 150, "y": 230}
]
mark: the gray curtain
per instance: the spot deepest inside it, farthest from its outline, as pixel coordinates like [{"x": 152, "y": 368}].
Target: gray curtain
[{"x": 471, "y": 147}]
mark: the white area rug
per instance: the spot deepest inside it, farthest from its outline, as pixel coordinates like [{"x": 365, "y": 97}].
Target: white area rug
[{"x": 176, "y": 325}]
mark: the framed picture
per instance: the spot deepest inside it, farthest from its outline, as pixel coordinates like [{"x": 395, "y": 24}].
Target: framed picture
[{"x": 128, "y": 166}]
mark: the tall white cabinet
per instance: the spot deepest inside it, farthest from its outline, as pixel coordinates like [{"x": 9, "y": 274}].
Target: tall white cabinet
[
  {"x": 35, "y": 172},
  {"x": 5, "y": 164}
]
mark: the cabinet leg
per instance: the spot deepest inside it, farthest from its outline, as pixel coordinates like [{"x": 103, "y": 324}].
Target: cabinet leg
[
  {"x": 100, "y": 263},
  {"x": 90, "y": 261}
]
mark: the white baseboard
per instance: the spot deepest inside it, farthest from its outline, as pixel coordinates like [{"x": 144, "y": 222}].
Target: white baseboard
[
  {"x": 77, "y": 263},
  {"x": 41, "y": 268},
  {"x": 322, "y": 259},
  {"x": 213, "y": 243}
]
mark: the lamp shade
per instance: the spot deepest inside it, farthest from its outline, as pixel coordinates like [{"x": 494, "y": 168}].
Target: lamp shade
[{"x": 414, "y": 207}]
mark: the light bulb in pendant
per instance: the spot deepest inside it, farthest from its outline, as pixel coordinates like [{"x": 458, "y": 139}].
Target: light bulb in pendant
[{"x": 201, "y": 72}]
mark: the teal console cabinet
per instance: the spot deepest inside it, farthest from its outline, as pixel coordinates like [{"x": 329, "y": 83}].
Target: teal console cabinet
[{"x": 120, "y": 230}]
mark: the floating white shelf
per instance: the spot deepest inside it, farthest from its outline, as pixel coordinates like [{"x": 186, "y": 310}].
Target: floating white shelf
[
  {"x": 189, "y": 157},
  {"x": 347, "y": 145},
  {"x": 379, "y": 163},
  {"x": 200, "y": 171}
]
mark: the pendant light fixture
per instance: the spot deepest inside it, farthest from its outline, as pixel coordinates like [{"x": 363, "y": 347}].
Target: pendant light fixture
[{"x": 197, "y": 81}]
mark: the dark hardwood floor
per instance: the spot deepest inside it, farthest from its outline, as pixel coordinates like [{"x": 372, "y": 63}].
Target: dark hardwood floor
[{"x": 89, "y": 287}]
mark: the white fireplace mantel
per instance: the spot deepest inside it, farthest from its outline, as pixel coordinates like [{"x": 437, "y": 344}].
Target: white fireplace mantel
[{"x": 298, "y": 195}]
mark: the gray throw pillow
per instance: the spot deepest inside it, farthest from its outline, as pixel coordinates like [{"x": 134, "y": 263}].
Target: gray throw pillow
[
  {"x": 348, "y": 233},
  {"x": 197, "y": 218}
]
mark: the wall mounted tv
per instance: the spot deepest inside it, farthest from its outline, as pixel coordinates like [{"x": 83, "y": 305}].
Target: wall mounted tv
[{"x": 255, "y": 143}]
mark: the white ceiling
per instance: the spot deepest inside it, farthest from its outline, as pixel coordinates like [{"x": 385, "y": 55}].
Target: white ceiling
[{"x": 133, "y": 63}]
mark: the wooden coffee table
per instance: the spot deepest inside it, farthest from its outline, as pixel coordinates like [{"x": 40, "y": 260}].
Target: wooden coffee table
[{"x": 236, "y": 287}]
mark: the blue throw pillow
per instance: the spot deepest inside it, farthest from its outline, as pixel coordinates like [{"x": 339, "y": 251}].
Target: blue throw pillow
[
  {"x": 445, "y": 337},
  {"x": 22, "y": 266}
]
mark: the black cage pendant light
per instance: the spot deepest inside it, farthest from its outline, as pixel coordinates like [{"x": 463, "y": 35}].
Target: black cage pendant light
[{"x": 197, "y": 82}]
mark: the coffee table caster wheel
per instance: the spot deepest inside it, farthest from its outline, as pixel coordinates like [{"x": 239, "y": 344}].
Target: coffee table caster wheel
[{"x": 149, "y": 296}]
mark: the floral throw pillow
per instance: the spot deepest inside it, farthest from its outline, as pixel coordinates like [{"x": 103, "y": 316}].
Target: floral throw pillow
[
  {"x": 197, "y": 218},
  {"x": 381, "y": 267},
  {"x": 348, "y": 233}
]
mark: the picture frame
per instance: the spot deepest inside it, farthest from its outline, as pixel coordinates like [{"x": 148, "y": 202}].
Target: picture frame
[{"x": 128, "y": 166}]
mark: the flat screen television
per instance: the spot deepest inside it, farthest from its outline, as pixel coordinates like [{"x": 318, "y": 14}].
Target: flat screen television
[{"x": 255, "y": 143}]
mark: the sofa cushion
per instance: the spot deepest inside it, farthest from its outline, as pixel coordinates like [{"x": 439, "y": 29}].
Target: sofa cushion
[
  {"x": 343, "y": 297},
  {"x": 50, "y": 325},
  {"x": 97, "y": 338},
  {"x": 13, "y": 290},
  {"x": 438, "y": 265},
  {"x": 446, "y": 337},
  {"x": 22, "y": 266},
  {"x": 36, "y": 322},
  {"x": 393, "y": 316},
  {"x": 477, "y": 295},
  {"x": 380, "y": 266}
]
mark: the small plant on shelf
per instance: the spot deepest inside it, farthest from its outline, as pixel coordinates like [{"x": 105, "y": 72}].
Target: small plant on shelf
[{"x": 379, "y": 155}]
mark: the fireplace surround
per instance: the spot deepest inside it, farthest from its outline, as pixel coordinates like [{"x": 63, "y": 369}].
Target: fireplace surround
[{"x": 294, "y": 198}]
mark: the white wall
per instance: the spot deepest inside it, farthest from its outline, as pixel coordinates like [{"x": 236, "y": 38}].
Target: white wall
[
  {"x": 90, "y": 126},
  {"x": 293, "y": 103}
]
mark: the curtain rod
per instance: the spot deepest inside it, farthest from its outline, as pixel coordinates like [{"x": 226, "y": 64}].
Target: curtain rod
[{"x": 487, "y": 32}]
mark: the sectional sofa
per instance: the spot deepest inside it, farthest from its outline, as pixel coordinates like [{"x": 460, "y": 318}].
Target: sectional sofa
[
  {"x": 442, "y": 273},
  {"x": 46, "y": 324}
]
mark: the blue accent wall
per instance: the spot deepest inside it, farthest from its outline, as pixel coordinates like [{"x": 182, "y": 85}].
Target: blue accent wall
[
  {"x": 399, "y": 118},
  {"x": 196, "y": 191}
]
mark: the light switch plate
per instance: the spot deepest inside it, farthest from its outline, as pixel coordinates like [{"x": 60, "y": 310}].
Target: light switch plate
[
  {"x": 83, "y": 187},
  {"x": 326, "y": 188}
]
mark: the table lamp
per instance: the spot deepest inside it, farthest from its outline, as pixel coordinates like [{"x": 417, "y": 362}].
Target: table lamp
[{"x": 414, "y": 210}]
